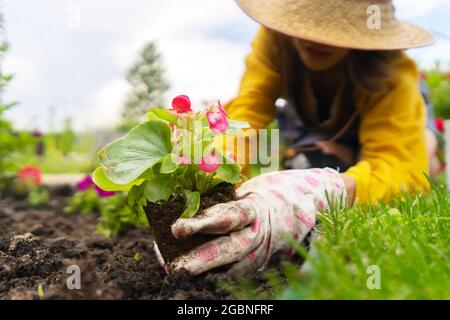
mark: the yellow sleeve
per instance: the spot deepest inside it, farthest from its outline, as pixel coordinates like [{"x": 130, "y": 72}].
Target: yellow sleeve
[
  {"x": 260, "y": 85},
  {"x": 392, "y": 136}
]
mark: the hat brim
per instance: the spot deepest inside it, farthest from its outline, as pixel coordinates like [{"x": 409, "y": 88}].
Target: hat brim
[{"x": 346, "y": 35}]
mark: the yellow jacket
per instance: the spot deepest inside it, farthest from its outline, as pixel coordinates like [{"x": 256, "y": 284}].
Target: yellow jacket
[{"x": 392, "y": 124}]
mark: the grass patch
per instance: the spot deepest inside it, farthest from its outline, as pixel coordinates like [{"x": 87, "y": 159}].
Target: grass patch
[{"x": 406, "y": 243}]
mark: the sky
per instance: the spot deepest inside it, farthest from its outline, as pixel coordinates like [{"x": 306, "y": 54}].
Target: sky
[{"x": 70, "y": 57}]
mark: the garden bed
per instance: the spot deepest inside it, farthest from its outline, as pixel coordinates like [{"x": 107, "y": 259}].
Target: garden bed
[{"x": 37, "y": 246}]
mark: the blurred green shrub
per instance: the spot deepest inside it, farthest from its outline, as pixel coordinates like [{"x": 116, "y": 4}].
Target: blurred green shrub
[
  {"x": 115, "y": 215},
  {"x": 12, "y": 143},
  {"x": 438, "y": 83},
  {"x": 27, "y": 185}
]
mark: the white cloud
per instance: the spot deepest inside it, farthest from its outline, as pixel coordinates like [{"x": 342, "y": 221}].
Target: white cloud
[
  {"x": 81, "y": 72},
  {"x": 84, "y": 65},
  {"x": 22, "y": 69},
  {"x": 427, "y": 57},
  {"x": 104, "y": 109},
  {"x": 410, "y": 9},
  {"x": 204, "y": 69}
]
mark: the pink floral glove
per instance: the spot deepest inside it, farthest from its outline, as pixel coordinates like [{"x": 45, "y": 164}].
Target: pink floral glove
[{"x": 270, "y": 206}]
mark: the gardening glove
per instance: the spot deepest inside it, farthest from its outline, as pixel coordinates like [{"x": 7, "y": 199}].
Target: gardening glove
[{"x": 254, "y": 227}]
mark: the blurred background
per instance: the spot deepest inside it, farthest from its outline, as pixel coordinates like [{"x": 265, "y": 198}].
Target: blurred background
[{"x": 84, "y": 71}]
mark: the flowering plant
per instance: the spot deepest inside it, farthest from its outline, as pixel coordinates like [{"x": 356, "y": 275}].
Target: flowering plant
[
  {"x": 87, "y": 183},
  {"x": 30, "y": 176},
  {"x": 172, "y": 155},
  {"x": 88, "y": 198},
  {"x": 28, "y": 185},
  {"x": 438, "y": 83},
  {"x": 114, "y": 214}
]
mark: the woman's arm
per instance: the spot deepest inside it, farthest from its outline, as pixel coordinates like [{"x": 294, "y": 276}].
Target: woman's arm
[{"x": 392, "y": 135}]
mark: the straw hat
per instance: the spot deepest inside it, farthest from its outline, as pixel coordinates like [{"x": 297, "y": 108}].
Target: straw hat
[{"x": 339, "y": 23}]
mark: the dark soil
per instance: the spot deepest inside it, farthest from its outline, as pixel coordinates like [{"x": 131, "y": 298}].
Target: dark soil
[
  {"x": 162, "y": 217},
  {"x": 38, "y": 245}
]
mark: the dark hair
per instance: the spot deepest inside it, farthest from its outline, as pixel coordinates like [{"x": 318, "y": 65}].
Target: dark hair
[{"x": 368, "y": 70}]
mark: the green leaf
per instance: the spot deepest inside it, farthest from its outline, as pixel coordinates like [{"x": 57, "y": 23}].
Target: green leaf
[
  {"x": 168, "y": 164},
  {"x": 149, "y": 173},
  {"x": 40, "y": 291},
  {"x": 208, "y": 147},
  {"x": 192, "y": 204},
  {"x": 103, "y": 182},
  {"x": 158, "y": 188},
  {"x": 230, "y": 173},
  {"x": 162, "y": 114},
  {"x": 136, "y": 196},
  {"x": 128, "y": 157}
]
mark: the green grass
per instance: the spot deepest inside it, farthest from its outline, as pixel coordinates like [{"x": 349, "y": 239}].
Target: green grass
[
  {"x": 59, "y": 155},
  {"x": 408, "y": 240}
]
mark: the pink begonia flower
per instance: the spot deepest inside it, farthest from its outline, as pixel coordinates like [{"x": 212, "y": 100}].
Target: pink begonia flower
[
  {"x": 102, "y": 193},
  {"x": 217, "y": 120},
  {"x": 181, "y": 104},
  {"x": 221, "y": 108},
  {"x": 439, "y": 122},
  {"x": 183, "y": 160},
  {"x": 209, "y": 163},
  {"x": 85, "y": 184}
]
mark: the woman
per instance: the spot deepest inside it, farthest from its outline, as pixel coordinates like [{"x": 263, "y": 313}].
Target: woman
[{"x": 353, "y": 102}]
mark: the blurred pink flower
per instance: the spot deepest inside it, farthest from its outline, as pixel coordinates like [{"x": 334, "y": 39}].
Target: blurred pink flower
[
  {"x": 102, "y": 193},
  {"x": 30, "y": 175},
  {"x": 221, "y": 108},
  {"x": 217, "y": 121},
  {"x": 85, "y": 184},
  {"x": 439, "y": 122},
  {"x": 209, "y": 163},
  {"x": 181, "y": 104}
]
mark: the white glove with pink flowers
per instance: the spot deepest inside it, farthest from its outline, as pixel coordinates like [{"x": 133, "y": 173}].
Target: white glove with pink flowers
[{"x": 254, "y": 227}]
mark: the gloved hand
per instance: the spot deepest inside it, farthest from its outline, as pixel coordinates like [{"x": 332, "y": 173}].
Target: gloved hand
[{"x": 253, "y": 227}]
